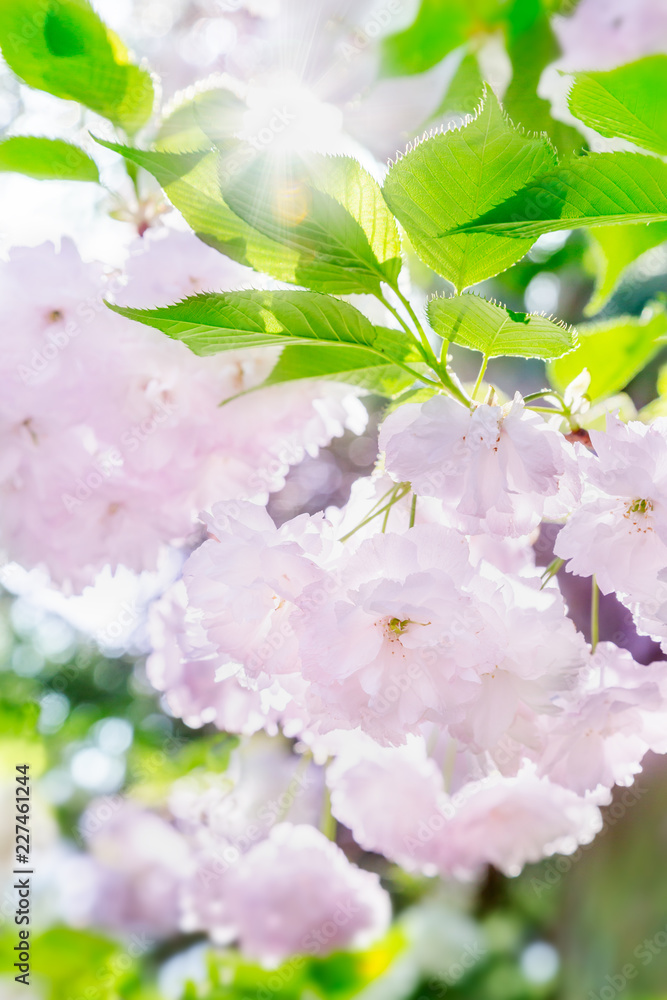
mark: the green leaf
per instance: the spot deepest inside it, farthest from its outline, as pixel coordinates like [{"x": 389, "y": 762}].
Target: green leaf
[
  {"x": 62, "y": 46},
  {"x": 353, "y": 205},
  {"x": 480, "y": 325},
  {"x": 613, "y": 351},
  {"x": 627, "y": 102},
  {"x": 211, "y": 116},
  {"x": 444, "y": 181},
  {"x": 598, "y": 189},
  {"x": 438, "y": 28},
  {"x": 532, "y": 45},
  {"x": 190, "y": 181},
  {"x": 211, "y": 323},
  {"x": 77, "y": 963},
  {"x": 352, "y": 365},
  {"x": 153, "y": 774},
  {"x": 615, "y": 248},
  {"x": 465, "y": 91},
  {"x": 46, "y": 159},
  {"x": 329, "y": 211}
]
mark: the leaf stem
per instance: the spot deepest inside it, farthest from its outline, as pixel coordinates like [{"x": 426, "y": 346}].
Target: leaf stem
[
  {"x": 595, "y": 614},
  {"x": 551, "y": 570},
  {"x": 482, "y": 372},
  {"x": 548, "y": 409},
  {"x": 399, "y": 491},
  {"x": 417, "y": 376},
  {"x": 385, "y": 519},
  {"x": 415, "y": 319},
  {"x": 424, "y": 346},
  {"x": 395, "y": 313},
  {"x": 437, "y": 366},
  {"x": 541, "y": 394},
  {"x": 327, "y": 821}
]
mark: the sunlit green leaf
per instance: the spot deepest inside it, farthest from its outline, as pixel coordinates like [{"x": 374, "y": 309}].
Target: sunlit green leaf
[
  {"x": 329, "y": 211},
  {"x": 598, "y": 189},
  {"x": 200, "y": 122},
  {"x": 532, "y": 45},
  {"x": 353, "y": 365},
  {"x": 437, "y": 29},
  {"x": 62, "y": 46},
  {"x": 450, "y": 178},
  {"x": 78, "y": 963},
  {"x": 465, "y": 91},
  {"x": 615, "y": 248},
  {"x": 480, "y": 325},
  {"x": 613, "y": 351},
  {"x": 628, "y": 102},
  {"x": 211, "y": 323},
  {"x": 152, "y": 772},
  {"x": 191, "y": 182},
  {"x": 46, "y": 159}
]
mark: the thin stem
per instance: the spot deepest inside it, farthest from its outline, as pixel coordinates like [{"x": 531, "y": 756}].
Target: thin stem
[
  {"x": 428, "y": 355},
  {"x": 425, "y": 348},
  {"x": 482, "y": 372},
  {"x": 542, "y": 394},
  {"x": 415, "y": 319},
  {"x": 439, "y": 367},
  {"x": 385, "y": 519},
  {"x": 395, "y": 313},
  {"x": 453, "y": 389},
  {"x": 132, "y": 171},
  {"x": 413, "y": 510},
  {"x": 327, "y": 821},
  {"x": 547, "y": 409},
  {"x": 399, "y": 492},
  {"x": 417, "y": 376},
  {"x": 551, "y": 570},
  {"x": 595, "y": 614},
  {"x": 381, "y": 500}
]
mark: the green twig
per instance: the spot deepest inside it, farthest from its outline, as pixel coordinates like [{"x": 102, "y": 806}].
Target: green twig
[
  {"x": 413, "y": 510},
  {"x": 482, "y": 372},
  {"x": 327, "y": 821},
  {"x": 423, "y": 344},
  {"x": 399, "y": 491}
]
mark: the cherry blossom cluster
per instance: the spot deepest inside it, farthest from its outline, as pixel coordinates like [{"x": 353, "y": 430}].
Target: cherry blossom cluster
[
  {"x": 113, "y": 435},
  {"x": 409, "y": 642},
  {"x": 618, "y": 531},
  {"x": 403, "y": 678},
  {"x": 223, "y": 858}
]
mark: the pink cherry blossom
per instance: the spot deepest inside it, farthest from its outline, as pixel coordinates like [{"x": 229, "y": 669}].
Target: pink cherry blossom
[
  {"x": 136, "y": 865},
  {"x": 199, "y": 684},
  {"x": 494, "y": 466},
  {"x": 297, "y": 893},
  {"x": 607, "y": 725},
  {"x": 386, "y": 797},
  {"x": 113, "y": 435},
  {"x": 243, "y": 581},
  {"x": 397, "y": 638},
  {"x": 412, "y": 631},
  {"x": 602, "y": 34},
  {"x": 394, "y": 802},
  {"x": 263, "y": 784},
  {"x": 510, "y": 822},
  {"x": 619, "y": 531}
]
